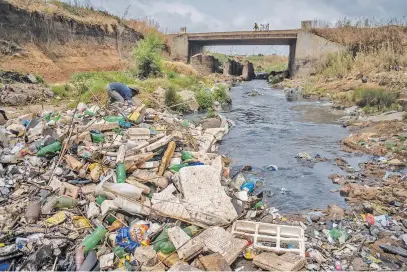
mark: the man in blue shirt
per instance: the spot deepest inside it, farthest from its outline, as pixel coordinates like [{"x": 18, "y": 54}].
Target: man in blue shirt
[{"x": 119, "y": 92}]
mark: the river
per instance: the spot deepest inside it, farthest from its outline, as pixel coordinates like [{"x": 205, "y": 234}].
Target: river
[{"x": 272, "y": 129}]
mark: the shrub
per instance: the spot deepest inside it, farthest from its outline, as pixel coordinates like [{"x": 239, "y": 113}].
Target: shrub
[
  {"x": 62, "y": 91},
  {"x": 147, "y": 55},
  {"x": 204, "y": 98},
  {"x": 379, "y": 98},
  {"x": 174, "y": 100},
  {"x": 336, "y": 64},
  {"x": 221, "y": 95}
]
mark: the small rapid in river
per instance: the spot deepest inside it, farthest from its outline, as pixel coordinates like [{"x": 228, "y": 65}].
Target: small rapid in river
[{"x": 272, "y": 129}]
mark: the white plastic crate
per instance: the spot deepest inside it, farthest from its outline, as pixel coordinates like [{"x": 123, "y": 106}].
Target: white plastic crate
[{"x": 270, "y": 237}]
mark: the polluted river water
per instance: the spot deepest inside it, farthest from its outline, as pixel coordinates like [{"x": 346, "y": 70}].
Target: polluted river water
[{"x": 271, "y": 129}]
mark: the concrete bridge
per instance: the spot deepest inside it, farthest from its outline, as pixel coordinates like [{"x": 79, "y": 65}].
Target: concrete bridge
[{"x": 305, "y": 47}]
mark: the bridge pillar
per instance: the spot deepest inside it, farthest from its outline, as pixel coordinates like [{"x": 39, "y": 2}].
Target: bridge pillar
[
  {"x": 179, "y": 47},
  {"x": 291, "y": 58}
]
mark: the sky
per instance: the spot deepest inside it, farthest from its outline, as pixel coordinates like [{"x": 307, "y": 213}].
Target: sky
[{"x": 235, "y": 15}]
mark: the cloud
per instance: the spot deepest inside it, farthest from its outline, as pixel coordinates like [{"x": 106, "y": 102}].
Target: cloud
[{"x": 235, "y": 15}]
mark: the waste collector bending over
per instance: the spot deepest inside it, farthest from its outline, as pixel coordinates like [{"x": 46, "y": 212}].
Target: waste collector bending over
[{"x": 119, "y": 92}]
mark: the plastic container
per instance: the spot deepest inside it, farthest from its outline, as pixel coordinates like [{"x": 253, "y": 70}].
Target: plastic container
[
  {"x": 114, "y": 119},
  {"x": 120, "y": 173},
  {"x": 93, "y": 239},
  {"x": 124, "y": 124},
  {"x": 49, "y": 150},
  {"x": 249, "y": 186}
]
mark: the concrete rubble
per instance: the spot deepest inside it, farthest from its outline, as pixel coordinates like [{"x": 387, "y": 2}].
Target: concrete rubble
[{"x": 132, "y": 188}]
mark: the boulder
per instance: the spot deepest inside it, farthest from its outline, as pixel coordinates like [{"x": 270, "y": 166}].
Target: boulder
[
  {"x": 211, "y": 123},
  {"x": 189, "y": 97}
]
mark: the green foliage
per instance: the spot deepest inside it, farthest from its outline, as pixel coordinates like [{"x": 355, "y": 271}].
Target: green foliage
[
  {"x": 336, "y": 64},
  {"x": 204, "y": 98},
  {"x": 211, "y": 113},
  {"x": 402, "y": 138},
  {"x": 63, "y": 91},
  {"x": 374, "y": 98},
  {"x": 221, "y": 95},
  {"x": 172, "y": 75},
  {"x": 174, "y": 100},
  {"x": 147, "y": 55},
  {"x": 390, "y": 145}
]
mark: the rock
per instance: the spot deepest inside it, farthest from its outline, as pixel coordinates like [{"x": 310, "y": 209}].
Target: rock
[
  {"x": 364, "y": 79},
  {"x": 145, "y": 255},
  {"x": 359, "y": 265},
  {"x": 211, "y": 123},
  {"x": 214, "y": 262},
  {"x": 205, "y": 197},
  {"x": 32, "y": 78},
  {"x": 315, "y": 217},
  {"x": 286, "y": 262},
  {"x": 404, "y": 223},
  {"x": 396, "y": 162},
  {"x": 335, "y": 213},
  {"x": 367, "y": 207},
  {"x": 189, "y": 98},
  {"x": 404, "y": 239}
]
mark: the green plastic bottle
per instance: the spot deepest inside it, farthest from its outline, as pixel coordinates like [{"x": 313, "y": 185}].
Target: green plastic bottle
[
  {"x": 177, "y": 167},
  {"x": 97, "y": 137},
  {"x": 186, "y": 156},
  {"x": 100, "y": 199},
  {"x": 89, "y": 113},
  {"x": 163, "y": 244},
  {"x": 49, "y": 149},
  {"x": 120, "y": 173},
  {"x": 114, "y": 119},
  {"x": 66, "y": 202},
  {"x": 93, "y": 239}
]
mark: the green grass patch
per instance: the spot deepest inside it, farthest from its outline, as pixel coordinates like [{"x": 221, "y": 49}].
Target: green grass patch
[{"x": 374, "y": 99}]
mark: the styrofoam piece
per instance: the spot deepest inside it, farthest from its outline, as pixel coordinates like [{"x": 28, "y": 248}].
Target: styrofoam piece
[{"x": 270, "y": 237}]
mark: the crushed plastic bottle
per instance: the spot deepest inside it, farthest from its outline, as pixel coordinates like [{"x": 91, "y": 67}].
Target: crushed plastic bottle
[
  {"x": 93, "y": 239},
  {"x": 49, "y": 150},
  {"x": 114, "y": 119},
  {"x": 185, "y": 156}
]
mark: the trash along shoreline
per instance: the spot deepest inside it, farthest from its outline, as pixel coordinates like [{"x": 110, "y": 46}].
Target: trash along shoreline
[{"x": 131, "y": 188}]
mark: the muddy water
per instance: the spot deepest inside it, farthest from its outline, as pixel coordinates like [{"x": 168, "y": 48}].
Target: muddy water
[{"x": 273, "y": 129}]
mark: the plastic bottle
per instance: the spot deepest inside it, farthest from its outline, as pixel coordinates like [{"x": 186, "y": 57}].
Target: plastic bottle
[
  {"x": 94, "y": 238},
  {"x": 120, "y": 173},
  {"x": 100, "y": 199},
  {"x": 185, "y": 156},
  {"x": 124, "y": 124},
  {"x": 164, "y": 245},
  {"x": 66, "y": 202},
  {"x": 114, "y": 119},
  {"x": 49, "y": 149},
  {"x": 177, "y": 167},
  {"x": 97, "y": 137}
]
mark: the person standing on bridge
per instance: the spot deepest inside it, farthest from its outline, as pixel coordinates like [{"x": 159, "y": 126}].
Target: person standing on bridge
[{"x": 256, "y": 27}]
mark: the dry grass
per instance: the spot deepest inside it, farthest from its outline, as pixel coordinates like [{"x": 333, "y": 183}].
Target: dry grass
[
  {"x": 85, "y": 14},
  {"x": 180, "y": 68}
]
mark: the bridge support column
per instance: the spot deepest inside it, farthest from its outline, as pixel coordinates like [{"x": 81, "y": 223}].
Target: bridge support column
[
  {"x": 179, "y": 47},
  {"x": 291, "y": 58}
]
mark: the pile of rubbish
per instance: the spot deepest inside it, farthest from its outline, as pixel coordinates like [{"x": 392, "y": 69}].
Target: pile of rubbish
[{"x": 130, "y": 188}]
